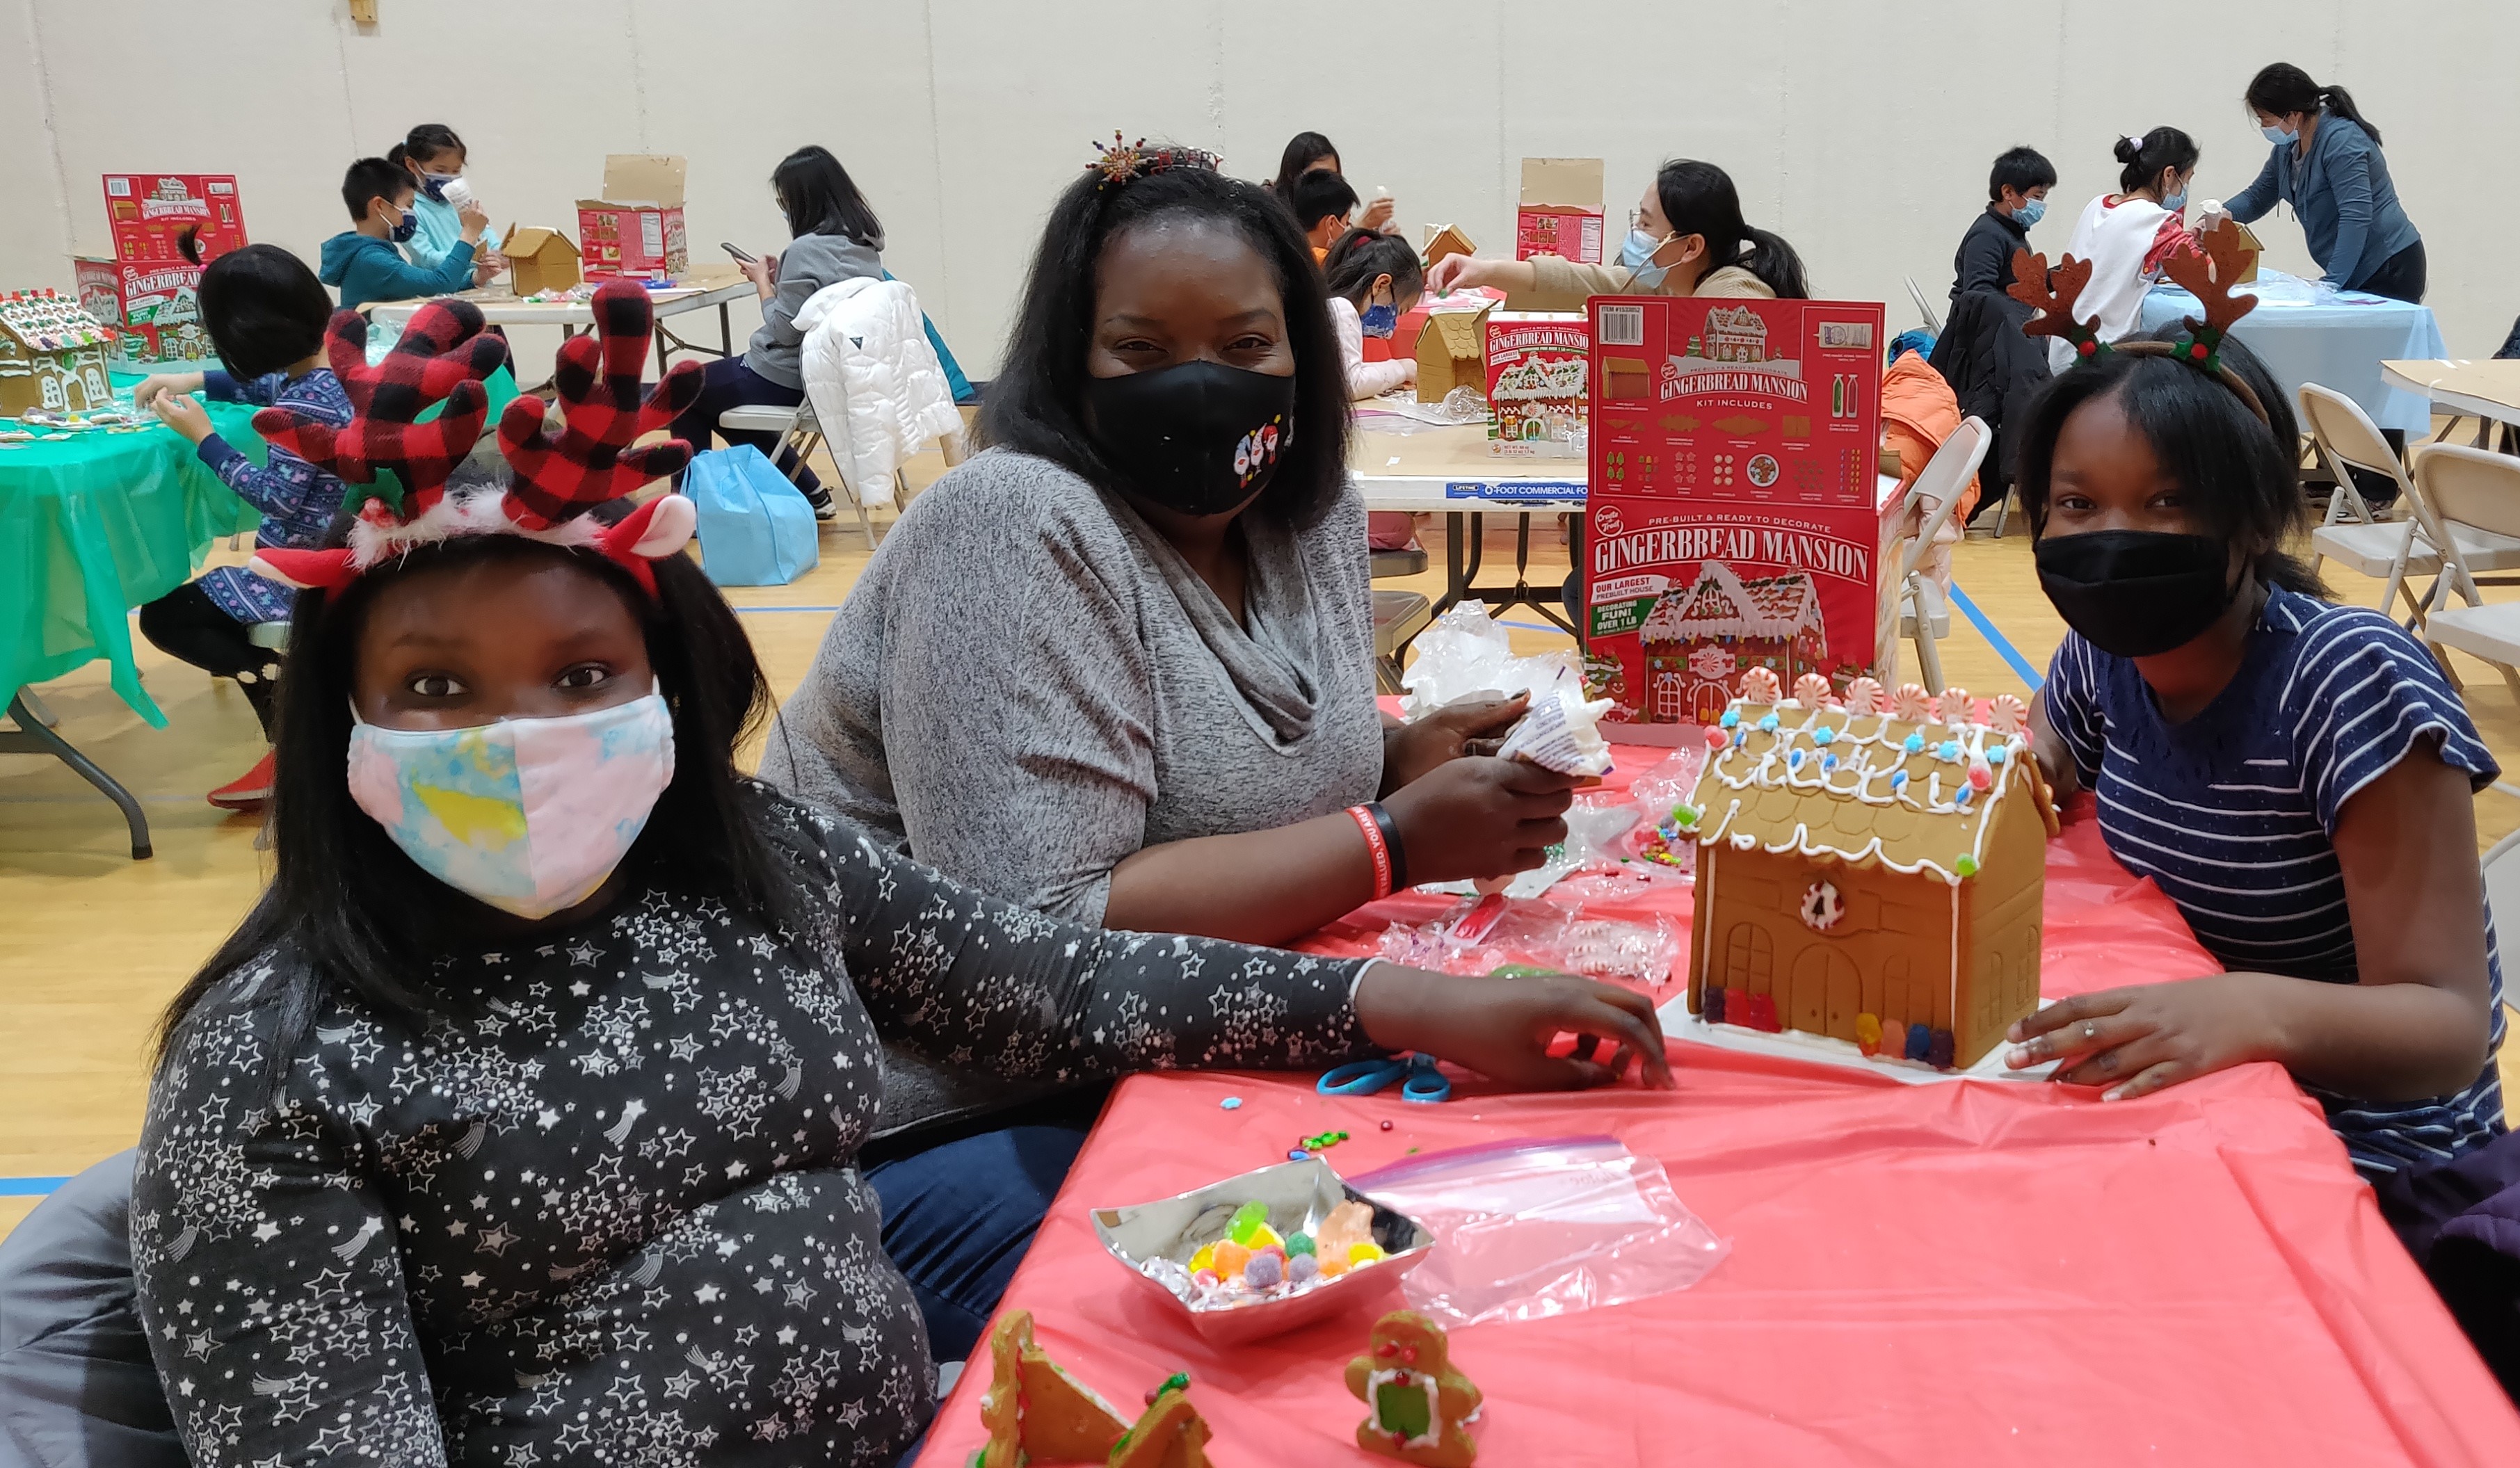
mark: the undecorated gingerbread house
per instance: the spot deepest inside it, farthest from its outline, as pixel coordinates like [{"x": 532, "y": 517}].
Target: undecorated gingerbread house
[
  {"x": 1452, "y": 352},
  {"x": 52, "y": 354},
  {"x": 1869, "y": 870}
]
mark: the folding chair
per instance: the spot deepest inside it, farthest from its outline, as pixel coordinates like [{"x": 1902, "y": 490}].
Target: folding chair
[
  {"x": 800, "y": 433},
  {"x": 2353, "y": 535},
  {"x": 1398, "y": 617},
  {"x": 1925, "y": 613},
  {"x": 2502, "y": 883},
  {"x": 1924, "y": 308},
  {"x": 2469, "y": 500}
]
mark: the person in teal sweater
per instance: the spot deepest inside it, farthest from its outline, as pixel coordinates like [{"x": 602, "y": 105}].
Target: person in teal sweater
[
  {"x": 436, "y": 158},
  {"x": 362, "y": 262}
]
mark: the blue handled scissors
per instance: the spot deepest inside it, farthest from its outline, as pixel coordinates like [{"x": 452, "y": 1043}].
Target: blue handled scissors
[{"x": 1419, "y": 1079}]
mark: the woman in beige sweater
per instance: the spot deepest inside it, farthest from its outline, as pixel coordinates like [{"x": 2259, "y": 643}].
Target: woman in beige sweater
[{"x": 1685, "y": 237}]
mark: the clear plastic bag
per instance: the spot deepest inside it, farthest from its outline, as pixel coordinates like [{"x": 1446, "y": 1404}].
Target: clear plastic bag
[
  {"x": 1481, "y": 933},
  {"x": 1534, "y": 1229}
]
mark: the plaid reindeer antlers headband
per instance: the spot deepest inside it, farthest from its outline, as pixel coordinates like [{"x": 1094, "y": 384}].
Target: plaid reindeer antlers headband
[
  {"x": 399, "y": 465},
  {"x": 2209, "y": 277}
]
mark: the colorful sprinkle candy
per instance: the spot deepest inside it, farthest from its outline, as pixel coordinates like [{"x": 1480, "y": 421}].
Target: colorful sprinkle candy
[{"x": 1914, "y": 744}]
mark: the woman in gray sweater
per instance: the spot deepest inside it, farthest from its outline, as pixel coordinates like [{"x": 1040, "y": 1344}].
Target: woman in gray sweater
[{"x": 837, "y": 238}]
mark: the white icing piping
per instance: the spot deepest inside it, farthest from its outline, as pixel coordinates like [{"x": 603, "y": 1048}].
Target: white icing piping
[{"x": 1772, "y": 769}]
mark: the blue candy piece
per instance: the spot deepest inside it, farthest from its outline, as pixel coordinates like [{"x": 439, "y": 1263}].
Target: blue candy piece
[
  {"x": 1829, "y": 762},
  {"x": 1296, "y": 1154},
  {"x": 1995, "y": 755},
  {"x": 1950, "y": 750},
  {"x": 1794, "y": 760},
  {"x": 1741, "y": 737},
  {"x": 1962, "y": 800},
  {"x": 1914, "y": 744},
  {"x": 1920, "y": 1041},
  {"x": 1732, "y": 718},
  {"x": 1231, "y": 1104},
  {"x": 1824, "y": 736},
  {"x": 1766, "y": 723},
  {"x": 1899, "y": 780}
]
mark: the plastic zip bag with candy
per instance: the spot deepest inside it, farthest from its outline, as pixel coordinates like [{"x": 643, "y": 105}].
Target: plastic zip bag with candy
[{"x": 1482, "y": 934}]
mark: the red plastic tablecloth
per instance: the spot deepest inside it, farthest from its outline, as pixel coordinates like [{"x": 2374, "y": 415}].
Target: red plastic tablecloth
[{"x": 1948, "y": 1273}]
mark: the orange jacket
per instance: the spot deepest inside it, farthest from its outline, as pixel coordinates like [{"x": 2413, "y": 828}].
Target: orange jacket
[{"x": 1919, "y": 411}]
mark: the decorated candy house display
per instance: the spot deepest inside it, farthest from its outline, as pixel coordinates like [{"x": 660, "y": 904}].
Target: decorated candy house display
[
  {"x": 1418, "y": 1408},
  {"x": 1869, "y": 870},
  {"x": 52, "y": 355}
]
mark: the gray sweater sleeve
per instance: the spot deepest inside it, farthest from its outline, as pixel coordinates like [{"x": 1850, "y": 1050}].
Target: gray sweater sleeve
[{"x": 808, "y": 264}]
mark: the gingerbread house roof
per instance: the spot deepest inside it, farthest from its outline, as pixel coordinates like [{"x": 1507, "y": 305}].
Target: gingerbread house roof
[
  {"x": 47, "y": 321},
  {"x": 1918, "y": 795},
  {"x": 1463, "y": 333},
  {"x": 1720, "y": 604}
]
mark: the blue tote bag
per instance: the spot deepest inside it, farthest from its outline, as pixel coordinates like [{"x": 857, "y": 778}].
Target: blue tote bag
[{"x": 755, "y": 528}]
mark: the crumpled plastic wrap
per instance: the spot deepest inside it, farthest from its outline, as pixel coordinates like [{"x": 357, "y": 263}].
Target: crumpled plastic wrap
[
  {"x": 1480, "y": 934},
  {"x": 1464, "y": 655}
]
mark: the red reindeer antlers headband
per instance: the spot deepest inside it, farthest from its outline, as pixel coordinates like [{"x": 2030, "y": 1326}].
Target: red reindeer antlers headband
[
  {"x": 442, "y": 357},
  {"x": 2209, "y": 277}
]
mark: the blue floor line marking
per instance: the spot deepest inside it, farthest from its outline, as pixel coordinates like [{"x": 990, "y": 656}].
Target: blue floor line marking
[
  {"x": 28, "y": 1188},
  {"x": 2002, "y": 644}
]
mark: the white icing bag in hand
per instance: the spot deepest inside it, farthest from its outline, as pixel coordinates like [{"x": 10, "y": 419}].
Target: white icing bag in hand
[{"x": 1562, "y": 732}]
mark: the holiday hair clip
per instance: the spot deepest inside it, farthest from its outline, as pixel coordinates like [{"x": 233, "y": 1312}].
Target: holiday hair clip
[
  {"x": 2208, "y": 274},
  {"x": 399, "y": 465},
  {"x": 1122, "y": 162}
]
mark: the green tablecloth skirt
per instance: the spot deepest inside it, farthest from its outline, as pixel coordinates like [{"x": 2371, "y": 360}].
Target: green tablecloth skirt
[{"x": 94, "y": 526}]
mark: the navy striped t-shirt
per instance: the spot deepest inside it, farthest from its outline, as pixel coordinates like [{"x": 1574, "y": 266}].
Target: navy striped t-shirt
[{"x": 2234, "y": 813}]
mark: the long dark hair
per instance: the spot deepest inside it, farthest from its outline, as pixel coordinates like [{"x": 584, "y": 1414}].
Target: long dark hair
[
  {"x": 426, "y": 141},
  {"x": 1036, "y": 403},
  {"x": 2282, "y": 87},
  {"x": 2145, "y": 157},
  {"x": 263, "y": 307},
  {"x": 818, "y": 198},
  {"x": 1359, "y": 256},
  {"x": 1698, "y": 198},
  {"x": 360, "y": 918},
  {"x": 1303, "y": 150},
  {"x": 2240, "y": 476}
]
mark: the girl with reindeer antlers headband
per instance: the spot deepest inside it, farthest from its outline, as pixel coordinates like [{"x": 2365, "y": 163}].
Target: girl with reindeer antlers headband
[
  {"x": 521, "y": 1117},
  {"x": 2295, "y": 774}
]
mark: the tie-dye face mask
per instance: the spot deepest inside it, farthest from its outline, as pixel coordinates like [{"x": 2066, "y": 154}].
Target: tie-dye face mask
[{"x": 527, "y": 814}]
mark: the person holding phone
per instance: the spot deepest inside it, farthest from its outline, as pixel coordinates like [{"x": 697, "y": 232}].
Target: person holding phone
[{"x": 835, "y": 237}]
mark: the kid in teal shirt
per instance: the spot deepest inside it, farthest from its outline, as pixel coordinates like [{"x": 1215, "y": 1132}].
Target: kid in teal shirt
[{"x": 362, "y": 261}]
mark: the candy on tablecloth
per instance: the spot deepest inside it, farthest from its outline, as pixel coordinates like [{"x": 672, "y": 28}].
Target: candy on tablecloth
[
  {"x": 1418, "y": 1408},
  {"x": 1035, "y": 1412}
]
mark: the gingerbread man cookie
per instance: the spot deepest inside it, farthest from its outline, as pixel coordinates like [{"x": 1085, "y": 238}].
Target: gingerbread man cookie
[{"x": 1417, "y": 1408}]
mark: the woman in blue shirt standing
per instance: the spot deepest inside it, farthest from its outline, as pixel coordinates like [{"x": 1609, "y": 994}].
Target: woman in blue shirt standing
[{"x": 2326, "y": 163}]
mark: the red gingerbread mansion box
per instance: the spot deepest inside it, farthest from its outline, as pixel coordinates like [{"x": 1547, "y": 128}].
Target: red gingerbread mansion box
[{"x": 1738, "y": 517}]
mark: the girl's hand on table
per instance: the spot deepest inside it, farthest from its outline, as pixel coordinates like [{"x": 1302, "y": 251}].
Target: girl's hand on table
[
  {"x": 1418, "y": 748},
  {"x": 1502, "y": 1027},
  {"x": 2138, "y": 1040},
  {"x": 180, "y": 412},
  {"x": 160, "y": 383},
  {"x": 1479, "y": 815}
]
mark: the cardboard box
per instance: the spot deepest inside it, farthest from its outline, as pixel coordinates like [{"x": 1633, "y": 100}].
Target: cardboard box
[
  {"x": 1738, "y": 517},
  {"x": 1452, "y": 352},
  {"x": 152, "y": 308},
  {"x": 1538, "y": 367},
  {"x": 1560, "y": 212},
  {"x": 540, "y": 258},
  {"x": 147, "y": 211},
  {"x": 636, "y": 229}
]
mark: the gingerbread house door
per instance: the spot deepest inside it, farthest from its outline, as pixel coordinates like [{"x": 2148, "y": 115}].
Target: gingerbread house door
[{"x": 1824, "y": 992}]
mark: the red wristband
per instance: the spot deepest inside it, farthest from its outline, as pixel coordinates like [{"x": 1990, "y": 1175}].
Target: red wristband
[{"x": 1374, "y": 844}]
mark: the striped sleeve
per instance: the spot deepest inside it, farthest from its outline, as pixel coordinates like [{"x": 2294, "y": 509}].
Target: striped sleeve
[
  {"x": 2362, "y": 694},
  {"x": 2073, "y": 695}
]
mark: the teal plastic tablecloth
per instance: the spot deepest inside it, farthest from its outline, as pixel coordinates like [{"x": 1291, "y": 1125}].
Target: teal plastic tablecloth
[{"x": 94, "y": 526}]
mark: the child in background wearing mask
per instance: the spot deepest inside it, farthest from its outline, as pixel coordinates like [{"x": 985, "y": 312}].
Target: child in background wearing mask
[
  {"x": 2295, "y": 774},
  {"x": 555, "y": 1028},
  {"x": 2126, "y": 236},
  {"x": 435, "y": 157},
  {"x": 265, "y": 312},
  {"x": 1375, "y": 280},
  {"x": 2016, "y": 191},
  {"x": 361, "y": 260}
]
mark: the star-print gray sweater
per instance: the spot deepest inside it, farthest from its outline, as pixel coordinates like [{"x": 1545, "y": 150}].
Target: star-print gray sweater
[{"x": 615, "y": 1219}]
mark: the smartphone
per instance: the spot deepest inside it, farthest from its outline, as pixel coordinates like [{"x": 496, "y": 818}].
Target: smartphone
[{"x": 745, "y": 255}]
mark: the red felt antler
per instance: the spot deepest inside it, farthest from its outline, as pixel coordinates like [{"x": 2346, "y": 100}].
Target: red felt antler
[
  {"x": 2053, "y": 295},
  {"x": 2209, "y": 277},
  {"x": 443, "y": 356},
  {"x": 606, "y": 410}
]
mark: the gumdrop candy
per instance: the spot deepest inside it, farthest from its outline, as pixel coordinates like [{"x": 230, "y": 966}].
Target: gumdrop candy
[
  {"x": 1966, "y": 865},
  {"x": 1204, "y": 1258},
  {"x": 1298, "y": 1243},
  {"x": 1248, "y": 1220},
  {"x": 1939, "y": 1050},
  {"x": 1763, "y": 1012},
  {"x": 1710, "y": 1006},
  {"x": 1981, "y": 775},
  {"x": 1303, "y": 1268},
  {"x": 1920, "y": 1041},
  {"x": 1717, "y": 738},
  {"x": 1333, "y": 1266},
  {"x": 1894, "y": 1039},
  {"x": 1264, "y": 1271},
  {"x": 1365, "y": 1253},
  {"x": 1685, "y": 816},
  {"x": 1231, "y": 1257},
  {"x": 1868, "y": 1033}
]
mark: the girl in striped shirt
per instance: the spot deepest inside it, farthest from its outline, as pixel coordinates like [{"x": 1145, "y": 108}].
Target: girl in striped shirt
[{"x": 2297, "y": 775}]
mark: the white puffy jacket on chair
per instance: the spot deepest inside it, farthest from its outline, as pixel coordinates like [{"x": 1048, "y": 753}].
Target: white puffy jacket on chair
[{"x": 877, "y": 389}]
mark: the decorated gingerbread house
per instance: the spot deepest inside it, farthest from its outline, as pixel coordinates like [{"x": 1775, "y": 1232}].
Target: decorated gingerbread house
[
  {"x": 1869, "y": 870},
  {"x": 1736, "y": 334},
  {"x": 1700, "y": 639},
  {"x": 52, "y": 354}
]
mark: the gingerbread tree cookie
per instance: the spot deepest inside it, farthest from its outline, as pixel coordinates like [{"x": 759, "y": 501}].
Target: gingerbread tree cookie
[
  {"x": 1171, "y": 1435},
  {"x": 1036, "y": 1412},
  {"x": 1417, "y": 1408}
]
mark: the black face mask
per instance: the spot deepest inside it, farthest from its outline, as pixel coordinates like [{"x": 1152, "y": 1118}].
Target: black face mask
[
  {"x": 2136, "y": 592},
  {"x": 1199, "y": 437}
]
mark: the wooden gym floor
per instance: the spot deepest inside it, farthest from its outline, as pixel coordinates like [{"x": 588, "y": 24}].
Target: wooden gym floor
[{"x": 92, "y": 943}]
